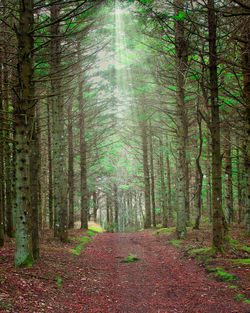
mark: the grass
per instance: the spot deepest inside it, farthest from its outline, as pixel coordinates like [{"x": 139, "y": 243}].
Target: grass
[{"x": 131, "y": 258}]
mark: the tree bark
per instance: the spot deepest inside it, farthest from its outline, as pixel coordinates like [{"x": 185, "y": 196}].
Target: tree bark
[
  {"x": 83, "y": 150},
  {"x": 24, "y": 118},
  {"x": 182, "y": 128},
  {"x": 199, "y": 179},
  {"x": 70, "y": 166},
  {"x": 228, "y": 176},
  {"x": 50, "y": 170},
  {"x": 246, "y": 97},
  {"x": 1, "y": 157},
  {"x": 220, "y": 229},
  {"x": 59, "y": 164},
  {"x": 152, "y": 175}
]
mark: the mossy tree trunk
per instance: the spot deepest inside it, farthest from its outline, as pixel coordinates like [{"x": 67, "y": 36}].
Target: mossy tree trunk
[
  {"x": 24, "y": 118},
  {"x": 152, "y": 175}
]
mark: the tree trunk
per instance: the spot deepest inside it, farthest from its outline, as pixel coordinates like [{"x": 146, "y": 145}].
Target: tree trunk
[
  {"x": 116, "y": 207},
  {"x": 228, "y": 176},
  {"x": 95, "y": 205},
  {"x": 34, "y": 188},
  {"x": 50, "y": 170},
  {"x": 83, "y": 150},
  {"x": 152, "y": 175},
  {"x": 220, "y": 230},
  {"x": 169, "y": 197},
  {"x": 163, "y": 188},
  {"x": 71, "y": 166},
  {"x": 1, "y": 158},
  {"x": 147, "y": 222},
  {"x": 246, "y": 96},
  {"x": 59, "y": 164},
  {"x": 199, "y": 179},
  {"x": 182, "y": 128},
  {"x": 24, "y": 118}
]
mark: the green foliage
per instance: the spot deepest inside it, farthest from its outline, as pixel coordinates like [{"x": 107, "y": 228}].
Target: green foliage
[
  {"x": 59, "y": 282},
  {"x": 96, "y": 229},
  {"x": 131, "y": 258},
  {"x": 165, "y": 231},
  {"x": 221, "y": 275},
  {"x": 176, "y": 243},
  {"x": 241, "y": 297},
  {"x": 241, "y": 261}
]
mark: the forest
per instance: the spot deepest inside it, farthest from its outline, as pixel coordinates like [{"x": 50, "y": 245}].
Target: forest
[{"x": 131, "y": 114}]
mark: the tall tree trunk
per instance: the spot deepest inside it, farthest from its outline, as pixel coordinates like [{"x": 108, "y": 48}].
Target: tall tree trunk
[
  {"x": 182, "y": 128},
  {"x": 163, "y": 188},
  {"x": 199, "y": 179},
  {"x": 24, "y": 117},
  {"x": 34, "y": 188},
  {"x": 239, "y": 182},
  {"x": 71, "y": 166},
  {"x": 95, "y": 205},
  {"x": 83, "y": 149},
  {"x": 246, "y": 95},
  {"x": 59, "y": 164},
  {"x": 147, "y": 222},
  {"x": 219, "y": 223},
  {"x": 169, "y": 197},
  {"x": 50, "y": 170},
  {"x": 228, "y": 175},
  {"x": 116, "y": 208},
  {"x": 1, "y": 157},
  {"x": 7, "y": 152},
  {"x": 152, "y": 175}
]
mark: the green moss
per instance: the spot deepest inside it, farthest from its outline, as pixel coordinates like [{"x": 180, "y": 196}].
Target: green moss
[
  {"x": 165, "y": 231},
  {"x": 233, "y": 287},
  {"x": 27, "y": 262},
  {"x": 96, "y": 229},
  {"x": 241, "y": 297},
  {"x": 59, "y": 282},
  {"x": 129, "y": 259},
  {"x": 245, "y": 248},
  {"x": 241, "y": 261},
  {"x": 83, "y": 240},
  {"x": 176, "y": 243},
  {"x": 221, "y": 275},
  {"x": 201, "y": 251}
]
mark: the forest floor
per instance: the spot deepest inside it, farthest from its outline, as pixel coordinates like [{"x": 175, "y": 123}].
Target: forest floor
[{"x": 92, "y": 273}]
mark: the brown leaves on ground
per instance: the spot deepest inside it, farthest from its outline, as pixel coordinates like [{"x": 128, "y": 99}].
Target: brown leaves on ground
[{"x": 162, "y": 280}]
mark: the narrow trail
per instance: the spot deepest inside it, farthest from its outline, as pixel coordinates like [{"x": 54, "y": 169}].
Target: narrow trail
[{"x": 161, "y": 281}]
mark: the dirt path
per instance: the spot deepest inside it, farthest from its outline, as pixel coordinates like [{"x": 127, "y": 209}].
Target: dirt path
[
  {"x": 161, "y": 281},
  {"x": 96, "y": 282}
]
